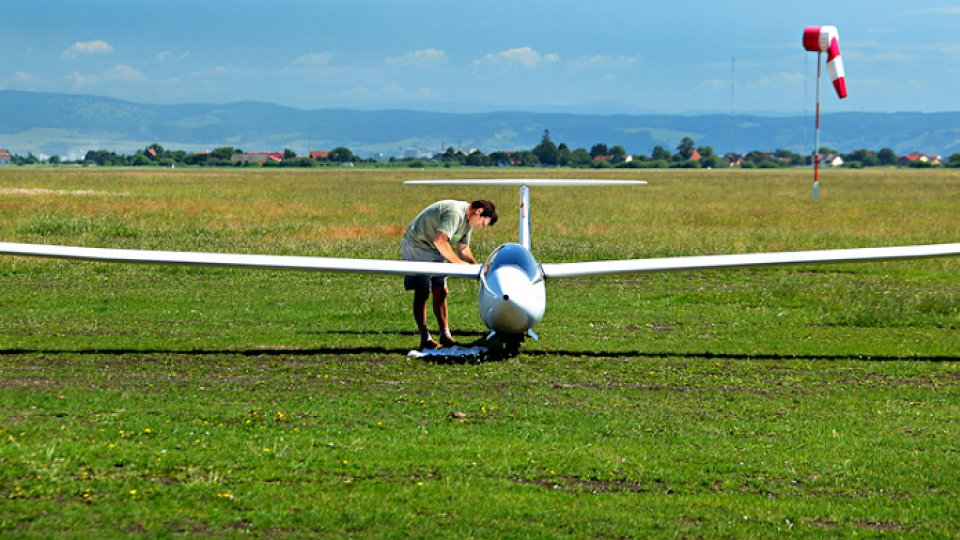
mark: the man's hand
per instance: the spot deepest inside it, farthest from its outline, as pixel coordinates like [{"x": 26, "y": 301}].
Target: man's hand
[
  {"x": 466, "y": 254},
  {"x": 442, "y": 242}
]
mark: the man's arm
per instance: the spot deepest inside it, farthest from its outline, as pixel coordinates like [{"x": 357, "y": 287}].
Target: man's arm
[
  {"x": 466, "y": 254},
  {"x": 442, "y": 242}
]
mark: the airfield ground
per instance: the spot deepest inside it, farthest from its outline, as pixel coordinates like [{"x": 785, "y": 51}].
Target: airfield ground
[{"x": 161, "y": 400}]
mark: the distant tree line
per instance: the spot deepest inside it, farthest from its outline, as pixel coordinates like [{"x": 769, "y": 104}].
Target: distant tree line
[
  {"x": 156, "y": 155},
  {"x": 545, "y": 154}
]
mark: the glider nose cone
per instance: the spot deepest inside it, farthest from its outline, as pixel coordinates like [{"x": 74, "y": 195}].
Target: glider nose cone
[
  {"x": 511, "y": 317},
  {"x": 511, "y": 303}
]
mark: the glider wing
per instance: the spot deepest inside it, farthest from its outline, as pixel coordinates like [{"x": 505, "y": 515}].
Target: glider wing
[
  {"x": 530, "y": 182},
  {"x": 276, "y": 262},
  {"x": 676, "y": 264}
]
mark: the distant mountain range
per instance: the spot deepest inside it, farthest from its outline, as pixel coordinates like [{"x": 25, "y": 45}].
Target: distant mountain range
[{"x": 69, "y": 125}]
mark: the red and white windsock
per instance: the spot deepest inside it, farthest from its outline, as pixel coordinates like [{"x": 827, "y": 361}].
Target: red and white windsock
[{"x": 827, "y": 39}]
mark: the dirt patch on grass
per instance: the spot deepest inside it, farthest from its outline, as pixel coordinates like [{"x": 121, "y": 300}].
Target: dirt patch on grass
[
  {"x": 35, "y": 192},
  {"x": 881, "y": 525},
  {"x": 824, "y": 523},
  {"x": 593, "y": 485},
  {"x": 347, "y": 232},
  {"x": 30, "y": 382}
]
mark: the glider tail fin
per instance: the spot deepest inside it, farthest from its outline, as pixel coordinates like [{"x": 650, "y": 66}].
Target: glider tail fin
[{"x": 525, "y": 217}]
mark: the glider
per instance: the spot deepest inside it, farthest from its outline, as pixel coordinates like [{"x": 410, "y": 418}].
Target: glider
[{"x": 512, "y": 292}]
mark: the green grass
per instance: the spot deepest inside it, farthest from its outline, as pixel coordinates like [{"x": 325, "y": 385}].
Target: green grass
[{"x": 164, "y": 401}]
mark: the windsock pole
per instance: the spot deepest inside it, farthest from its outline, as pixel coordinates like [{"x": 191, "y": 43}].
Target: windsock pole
[
  {"x": 824, "y": 39},
  {"x": 816, "y": 138}
]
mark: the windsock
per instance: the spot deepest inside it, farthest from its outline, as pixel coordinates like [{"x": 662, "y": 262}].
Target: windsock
[{"x": 827, "y": 39}]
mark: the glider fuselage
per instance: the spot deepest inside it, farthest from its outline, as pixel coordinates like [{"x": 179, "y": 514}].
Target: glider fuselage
[{"x": 512, "y": 297}]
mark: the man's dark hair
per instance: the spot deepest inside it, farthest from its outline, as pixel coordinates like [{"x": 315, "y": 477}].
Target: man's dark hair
[{"x": 489, "y": 210}]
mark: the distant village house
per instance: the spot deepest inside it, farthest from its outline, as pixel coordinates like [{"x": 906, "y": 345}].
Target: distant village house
[
  {"x": 5, "y": 157},
  {"x": 917, "y": 157},
  {"x": 613, "y": 159},
  {"x": 257, "y": 157},
  {"x": 734, "y": 159},
  {"x": 831, "y": 160}
]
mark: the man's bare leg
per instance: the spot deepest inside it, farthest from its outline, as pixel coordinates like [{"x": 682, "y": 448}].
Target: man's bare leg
[
  {"x": 420, "y": 316},
  {"x": 441, "y": 311}
]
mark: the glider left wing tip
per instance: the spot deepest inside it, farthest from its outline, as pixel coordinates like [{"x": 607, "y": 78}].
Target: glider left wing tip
[{"x": 236, "y": 260}]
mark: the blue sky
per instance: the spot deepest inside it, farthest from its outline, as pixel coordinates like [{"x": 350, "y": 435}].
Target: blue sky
[{"x": 614, "y": 56}]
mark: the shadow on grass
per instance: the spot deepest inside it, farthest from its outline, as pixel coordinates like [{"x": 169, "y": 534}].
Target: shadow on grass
[
  {"x": 496, "y": 354},
  {"x": 745, "y": 356},
  {"x": 496, "y": 351},
  {"x": 413, "y": 333}
]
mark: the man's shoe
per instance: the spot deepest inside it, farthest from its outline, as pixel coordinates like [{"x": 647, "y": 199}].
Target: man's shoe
[
  {"x": 428, "y": 345},
  {"x": 447, "y": 341}
]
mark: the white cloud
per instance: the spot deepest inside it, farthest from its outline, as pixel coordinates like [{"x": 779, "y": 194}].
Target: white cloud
[
  {"x": 936, "y": 48},
  {"x": 397, "y": 92},
  {"x": 358, "y": 92},
  {"x": 124, "y": 73},
  {"x": 215, "y": 71},
  {"x": 887, "y": 58},
  {"x": 79, "y": 79},
  {"x": 310, "y": 64},
  {"x": 224, "y": 72},
  {"x": 602, "y": 61},
  {"x": 522, "y": 57},
  {"x": 162, "y": 56},
  {"x": 314, "y": 59},
  {"x": 933, "y": 11},
  {"x": 425, "y": 58},
  {"x": 782, "y": 79},
  {"x": 22, "y": 78},
  {"x": 713, "y": 84},
  {"x": 84, "y": 48},
  {"x": 120, "y": 73},
  {"x": 899, "y": 52}
]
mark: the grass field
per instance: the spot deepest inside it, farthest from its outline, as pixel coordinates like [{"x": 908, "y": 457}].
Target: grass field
[{"x": 166, "y": 401}]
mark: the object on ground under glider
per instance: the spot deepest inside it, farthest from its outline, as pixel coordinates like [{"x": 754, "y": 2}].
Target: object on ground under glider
[{"x": 512, "y": 294}]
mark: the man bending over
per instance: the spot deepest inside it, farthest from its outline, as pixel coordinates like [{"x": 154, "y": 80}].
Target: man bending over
[{"x": 441, "y": 232}]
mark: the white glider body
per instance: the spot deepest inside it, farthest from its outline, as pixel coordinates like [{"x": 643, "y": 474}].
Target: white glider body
[{"x": 512, "y": 298}]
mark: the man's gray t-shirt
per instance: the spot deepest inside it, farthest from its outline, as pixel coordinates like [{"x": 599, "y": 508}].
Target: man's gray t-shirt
[{"x": 448, "y": 217}]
